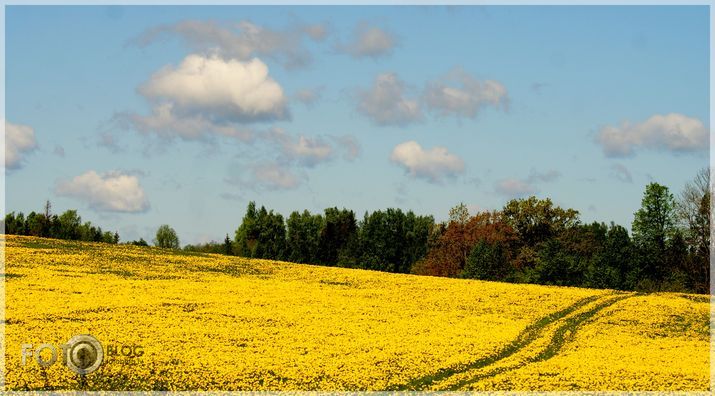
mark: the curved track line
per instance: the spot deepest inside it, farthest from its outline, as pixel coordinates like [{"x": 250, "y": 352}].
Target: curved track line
[
  {"x": 526, "y": 337},
  {"x": 563, "y": 334}
]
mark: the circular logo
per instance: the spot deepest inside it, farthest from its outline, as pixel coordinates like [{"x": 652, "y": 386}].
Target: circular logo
[{"x": 84, "y": 354}]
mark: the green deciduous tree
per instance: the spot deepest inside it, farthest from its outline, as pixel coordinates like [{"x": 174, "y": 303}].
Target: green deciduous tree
[
  {"x": 303, "y": 237},
  {"x": 338, "y": 232},
  {"x": 14, "y": 224},
  {"x": 536, "y": 220},
  {"x": 34, "y": 225},
  {"x": 487, "y": 261},
  {"x": 610, "y": 266},
  {"x": 166, "y": 238},
  {"x": 653, "y": 225},
  {"x": 272, "y": 235},
  {"x": 247, "y": 232},
  {"x": 393, "y": 240},
  {"x": 459, "y": 214},
  {"x": 676, "y": 260},
  {"x": 70, "y": 223},
  {"x": 261, "y": 234}
]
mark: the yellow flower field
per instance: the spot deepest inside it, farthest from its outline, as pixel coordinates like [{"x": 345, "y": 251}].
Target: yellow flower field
[{"x": 225, "y": 323}]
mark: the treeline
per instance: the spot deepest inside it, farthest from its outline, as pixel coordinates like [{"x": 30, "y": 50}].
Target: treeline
[
  {"x": 528, "y": 241},
  {"x": 390, "y": 240},
  {"x": 211, "y": 247},
  {"x": 533, "y": 241},
  {"x": 45, "y": 224}
]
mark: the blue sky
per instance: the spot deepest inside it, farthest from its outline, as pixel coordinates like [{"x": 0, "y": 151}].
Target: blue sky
[{"x": 139, "y": 116}]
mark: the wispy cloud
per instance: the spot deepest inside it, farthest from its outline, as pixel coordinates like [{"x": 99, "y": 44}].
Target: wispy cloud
[
  {"x": 386, "y": 102},
  {"x": 266, "y": 175},
  {"x": 309, "y": 96},
  {"x": 306, "y": 151},
  {"x": 349, "y": 145},
  {"x": 241, "y": 40},
  {"x": 620, "y": 172},
  {"x": 166, "y": 124},
  {"x": 546, "y": 176},
  {"x": 461, "y": 95},
  {"x": 59, "y": 151},
  {"x": 518, "y": 188},
  {"x": 515, "y": 188},
  {"x": 369, "y": 41},
  {"x": 458, "y": 94}
]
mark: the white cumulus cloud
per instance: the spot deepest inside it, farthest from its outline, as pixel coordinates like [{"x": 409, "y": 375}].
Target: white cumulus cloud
[
  {"x": 433, "y": 165},
  {"x": 19, "y": 141},
  {"x": 219, "y": 90},
  {"x": 106, "y": 192},
  {"x": 672, "y": 132}
]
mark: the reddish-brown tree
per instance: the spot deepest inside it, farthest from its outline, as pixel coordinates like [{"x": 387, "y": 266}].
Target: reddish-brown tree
[{"x": 449, "y": 254}]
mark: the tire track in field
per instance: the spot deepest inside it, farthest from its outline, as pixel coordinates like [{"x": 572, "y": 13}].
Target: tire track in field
[
  {"x": 562, "y": 335},
  {"x": 526, "y": 337}
]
